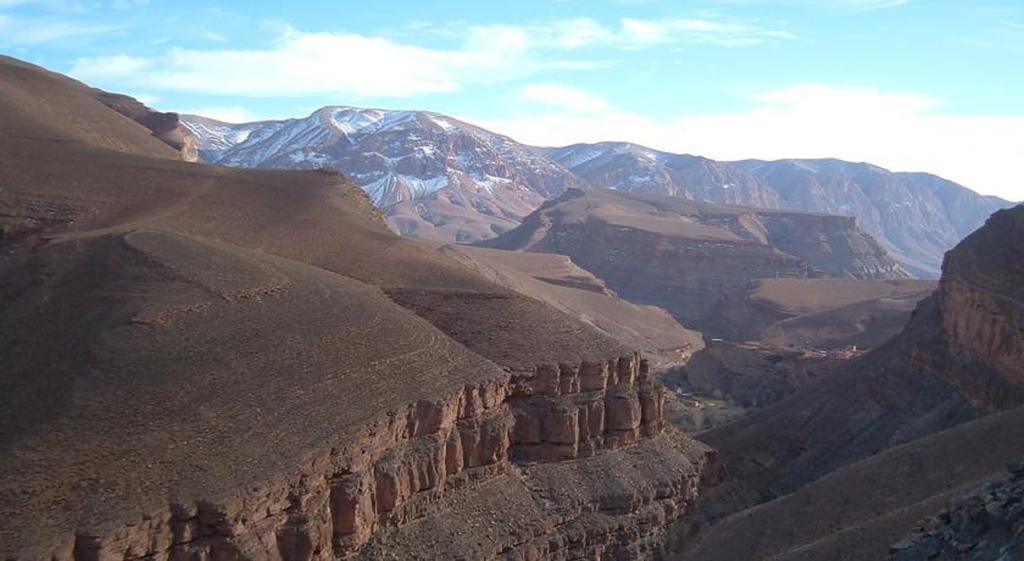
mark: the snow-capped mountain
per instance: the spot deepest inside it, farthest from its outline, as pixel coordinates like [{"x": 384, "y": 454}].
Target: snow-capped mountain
[
  {"x": 638, "y": 169},
  {"x": 917, "y": 217},
  {"x": 425, "y": 170},
  {"x": 439, "y": 178}
]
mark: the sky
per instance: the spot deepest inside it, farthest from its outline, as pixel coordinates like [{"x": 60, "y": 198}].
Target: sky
[{"x": 911, "y": 85}]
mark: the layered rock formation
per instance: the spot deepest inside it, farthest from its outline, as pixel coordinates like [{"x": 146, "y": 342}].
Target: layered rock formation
[
  {"x": 689, "y": 257},
  {"x": 915, "y": 216},
  {"x": 212, "y": 363}
]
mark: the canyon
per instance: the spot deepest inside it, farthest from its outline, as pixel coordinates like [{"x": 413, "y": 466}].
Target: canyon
[
  {"x": 244, "y": 362},
  {"x": 206, "y": 362}
]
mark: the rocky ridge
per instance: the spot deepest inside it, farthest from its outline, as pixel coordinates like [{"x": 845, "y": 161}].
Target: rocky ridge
[
  {"x": 688, "y": 257},
  {"x": 915, "y": 216},
  {"x": 364, "y": 498},
  {"x": 168, "y": 127}
]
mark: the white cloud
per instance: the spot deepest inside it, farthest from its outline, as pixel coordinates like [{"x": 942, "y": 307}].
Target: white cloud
[
  {"x": 899, "y": 131},
  {"x": 341, "y": 64},
  {"x": 708, "y": 31},
  {"x": 866, "y": 5},
  {"x": 842, "y": 5},
  {"x": 19, "y": 30},
  {"x": 627, "y": 33},
  {"x": 566, "y": 98}
]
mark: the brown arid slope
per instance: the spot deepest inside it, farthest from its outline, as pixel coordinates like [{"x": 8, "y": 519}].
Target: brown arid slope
[
  {"x": 688, "y": 257},
  {"x": 857, "y": 512},
  {"x": 212, "y": 363},
  {"x": 39, "y": 105},
  {"x": 987, "y": 525},
  {"x": 749, "y": 374},
  {"x": 824, "y": 313},
  {"x": 950, "y": 365},
  {"x": 557, "y": 281}
]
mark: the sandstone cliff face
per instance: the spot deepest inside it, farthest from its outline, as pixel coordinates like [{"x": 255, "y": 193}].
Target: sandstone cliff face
[
  {"x": 981, "y": 298},
  {"x": 413, "y": 462}
]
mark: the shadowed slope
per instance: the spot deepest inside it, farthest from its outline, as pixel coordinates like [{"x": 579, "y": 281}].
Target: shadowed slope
[
  {"x": 281, "y": 358},
  {"x": 955, "y": 361},
  {"x": 856, "y": 513}
]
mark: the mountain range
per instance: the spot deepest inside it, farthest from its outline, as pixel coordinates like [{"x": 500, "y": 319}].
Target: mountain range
[
  {"x": 214, "y": 363},
  {"x": 439, "y": 178}
]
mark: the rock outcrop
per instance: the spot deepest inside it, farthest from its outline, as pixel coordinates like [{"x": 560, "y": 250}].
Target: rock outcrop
[
  {"x": 981, "y": 300},
  {"x": 989, "y": 525},
  {"x": 165, "y": 126}
]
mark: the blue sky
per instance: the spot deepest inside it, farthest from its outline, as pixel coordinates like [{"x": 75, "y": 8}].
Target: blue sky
[{"x": 913, "y": 85}]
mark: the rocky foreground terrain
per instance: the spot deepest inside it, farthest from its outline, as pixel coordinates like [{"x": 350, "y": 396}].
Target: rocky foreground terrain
[
  {"x": 989, "y": 525},
  {"x": 442, "y": 179},
  {"x": 212, "y": 363}
]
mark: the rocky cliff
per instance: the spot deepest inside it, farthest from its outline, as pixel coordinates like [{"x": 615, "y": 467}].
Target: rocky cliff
[
  {"x": 689, "y": 257},
  {"x": 914, "y": 216},
  {"x": 980, "y": 295},
  {"x": 423, "y": 479},
  {"x": 951, "y": 364}
]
